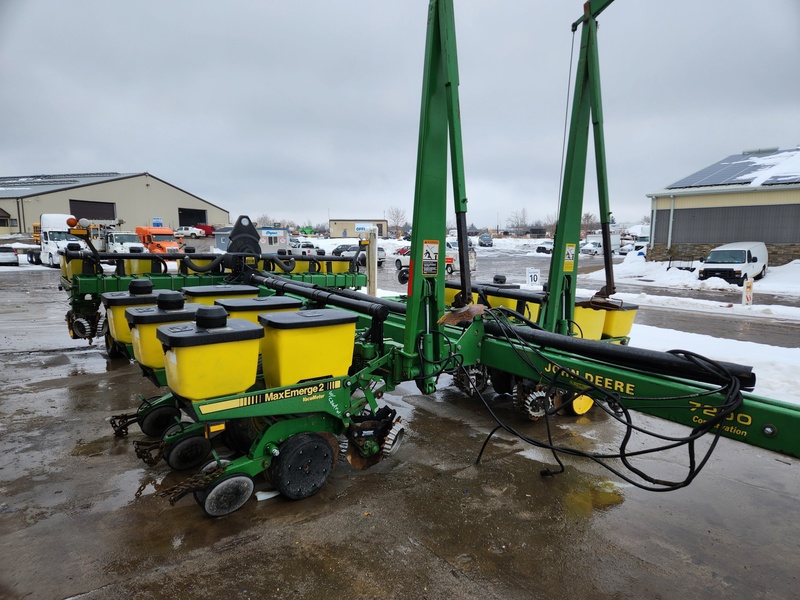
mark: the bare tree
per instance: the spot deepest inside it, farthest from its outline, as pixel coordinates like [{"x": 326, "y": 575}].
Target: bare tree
[
  {"x": 396, "y": 217},
  {"x": 264, "y": 221},
  {"x": 645, "y": 220},
  {"x": 518, "y": 221},
  {"x": 551, "y": 224},
  {"x": 589, "y": 221}
]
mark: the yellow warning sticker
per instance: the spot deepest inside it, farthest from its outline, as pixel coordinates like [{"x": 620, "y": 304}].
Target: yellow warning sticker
[{"x": 569, "y": 258}]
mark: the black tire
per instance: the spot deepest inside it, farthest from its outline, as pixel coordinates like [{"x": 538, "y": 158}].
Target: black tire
[
  {"x": 156, "y": 422},
  {"x": 763, "y": 272},
  {"x": 398, "y": 264},
  {"x": 380, "y": 263},
  {"x": 112, "y": 350},
  {"x": 502, "y": 382},
  {"x": 240, "y": 434},
  {"x": 449, "y": 269},
  {"x": 50, "y": 262},
  {"x": 188, "y": 453},
  {"x": 303, "y": 466},
  {"x": 193, "y": 236}
]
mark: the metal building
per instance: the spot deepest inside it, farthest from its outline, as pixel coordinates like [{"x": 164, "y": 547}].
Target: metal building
[
  {"x": 137, "y": 199},
  {"x": 342, "y": 228},
  {"x": 752, "y": 196}
]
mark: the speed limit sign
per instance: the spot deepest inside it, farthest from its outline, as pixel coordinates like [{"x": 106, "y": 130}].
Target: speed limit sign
[{"x": 532, "y": 275}]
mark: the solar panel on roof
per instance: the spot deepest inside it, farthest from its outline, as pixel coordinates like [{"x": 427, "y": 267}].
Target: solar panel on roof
[{"x": 754, "y": 168}]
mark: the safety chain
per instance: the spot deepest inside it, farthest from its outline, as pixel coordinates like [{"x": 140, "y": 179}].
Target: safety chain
[
  {"x": 150, "y": 452},
  {"x": 120, "y": 423},
  {"x": 196, "y": 482}
]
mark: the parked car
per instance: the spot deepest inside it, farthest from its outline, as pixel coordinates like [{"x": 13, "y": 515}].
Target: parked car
[
  {"x": 190, "y": 232},
  {"x": 9, "y": 256},
  {"x": 624, "y": 249},
  {"x": 545, "y": 246},
  {"x": 207, "y": 229},
  {"x": 485, "y": 239},
  {"x": 339, "y": 249},
  {"x": 362, "y": 258}
]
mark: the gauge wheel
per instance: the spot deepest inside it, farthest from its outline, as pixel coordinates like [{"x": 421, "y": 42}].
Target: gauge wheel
[
  {"x": 187, "y": 453},
  {"x": 156, "y": 422},
  {"x": 226, "y": 495},
  {"x": 303, "y": 466}
]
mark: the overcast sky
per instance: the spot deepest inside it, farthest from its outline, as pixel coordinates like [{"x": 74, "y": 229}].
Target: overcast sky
[{"x": 309, "y": 110}]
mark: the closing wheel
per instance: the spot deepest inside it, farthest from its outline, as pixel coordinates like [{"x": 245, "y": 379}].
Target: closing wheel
[
  {"x": 303, "y": 466},
  {"x": 472, "y": 380},
  {"x": 227, "y": 495},
  {"x": 156, "y": 422},
  {"x": 188, "y": 452},
  {"x": 201, "y": 495},
  {"x": 530, "y": 401}
]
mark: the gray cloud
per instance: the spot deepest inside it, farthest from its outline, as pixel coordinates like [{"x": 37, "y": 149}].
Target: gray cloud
[{"x": 308, "y": 109}]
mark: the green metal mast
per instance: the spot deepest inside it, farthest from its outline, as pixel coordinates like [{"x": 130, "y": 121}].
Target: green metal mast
[
  {"x": 440, "y": 116},
  {"x": 557, "y": 313}
]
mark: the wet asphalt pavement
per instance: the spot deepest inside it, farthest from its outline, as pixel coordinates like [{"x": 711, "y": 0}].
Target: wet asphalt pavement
[{"x": 425, "y": 523}]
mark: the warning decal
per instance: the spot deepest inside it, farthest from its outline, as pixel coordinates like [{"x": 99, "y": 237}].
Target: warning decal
[
  {"x": 430, "y": 257},
  {"x": 569, "y": 258}
]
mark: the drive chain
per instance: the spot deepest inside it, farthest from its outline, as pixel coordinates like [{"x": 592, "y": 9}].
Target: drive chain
[
  {"x": 150, "y": 452},
  {"x": 194, "y": 483}
]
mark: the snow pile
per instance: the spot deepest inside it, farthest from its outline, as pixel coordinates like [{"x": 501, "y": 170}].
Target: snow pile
[{"x": 636, "y": 270}]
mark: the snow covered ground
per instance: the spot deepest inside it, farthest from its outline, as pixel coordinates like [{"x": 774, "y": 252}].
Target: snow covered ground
[{"x": 776, "y": 368}]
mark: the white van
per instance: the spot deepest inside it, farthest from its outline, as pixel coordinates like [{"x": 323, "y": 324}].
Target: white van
[{"x": 736, "y": 262}]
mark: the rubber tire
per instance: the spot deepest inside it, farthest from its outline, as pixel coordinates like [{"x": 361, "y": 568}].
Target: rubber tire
[
  {"x": 193, "y": 236},
  {"x": 157, "y": 421},
  {"x": 502, "y": 382},
  {"x": 763, "y": 272},
  {"x": 50, "y": 262},
  {"x": 226, "y": 495},
  {"x": 240, "y": 434},
  {"x": 112, "y": 350},
  {"x": 189, "y": 453},
  {"x": 296, "y": 455},
  {"x": 398, "y": 265},
  {"x": 449, "y": 269}
]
